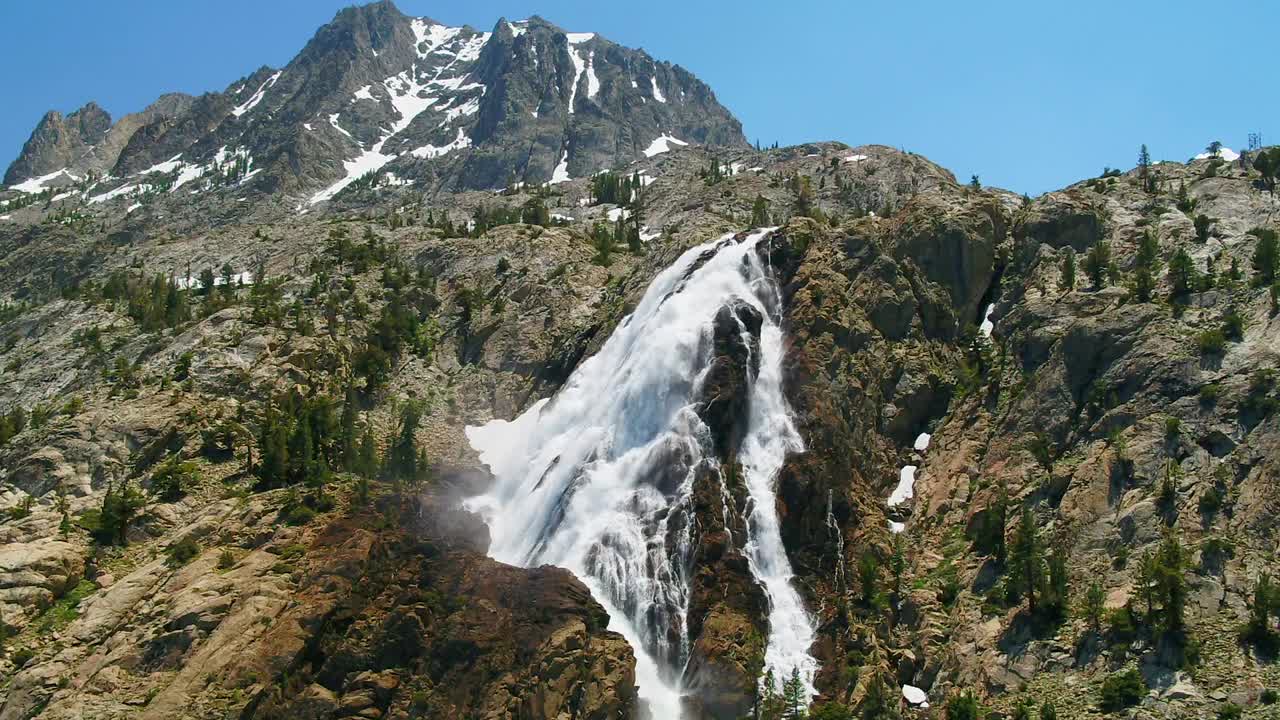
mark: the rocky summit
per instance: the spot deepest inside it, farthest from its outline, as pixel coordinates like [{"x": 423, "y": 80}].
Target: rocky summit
[
  {"x": 457, "y": 374},
  {"x": 377, "y": 97}
]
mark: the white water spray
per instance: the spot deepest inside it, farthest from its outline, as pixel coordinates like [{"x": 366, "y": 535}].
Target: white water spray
[{"x": 599, "y": 479}]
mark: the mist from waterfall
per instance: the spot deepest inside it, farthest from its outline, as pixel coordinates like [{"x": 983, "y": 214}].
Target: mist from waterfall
[{"x": 599, "y": 478}]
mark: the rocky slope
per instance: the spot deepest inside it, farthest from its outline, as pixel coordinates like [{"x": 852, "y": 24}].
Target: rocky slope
[{"x": 1112, "y": 414}]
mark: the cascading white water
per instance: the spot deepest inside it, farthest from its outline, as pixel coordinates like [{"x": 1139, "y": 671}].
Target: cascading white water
[{"x": 599, "y": 479}]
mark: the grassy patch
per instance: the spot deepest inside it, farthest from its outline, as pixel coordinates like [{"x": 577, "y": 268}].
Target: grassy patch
[{"x": 65, "y": 610}]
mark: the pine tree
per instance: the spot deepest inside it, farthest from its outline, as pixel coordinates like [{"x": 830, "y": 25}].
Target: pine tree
[
  {"x": 1068, "y": 270},
  {"x": 1182, "y": 274},
  {"x": 897, "y": 567},
  {"x": 1146, "y": 580},
  {"x": 402, "y": 456},
  {"x": 1097, "y": 263},
  {"x": 760, "y": 212},
  {"x": 1144, "y": 281},
  {"x": 1202, "y": 223},
  {"x": 1144, "y": 284},
  {"x": 1171, "y": 586},
  {"x": 1266, "y": 256},
  {"x": 302, "y": 453},
  {"x": 273, "y": 449},
  {"x": 1054, "y": 597},
  {"x": 347, "y": 431},
  {"x": 1183, "y": 200},
  {"x": 769, "y": 702},
  {"x": 120, "y": 506},
  {"x": 794, "y": 697},
  {"x": 1267, "y": 163},
  {"x": 602, "y": 240},
  {"x": 1145, "y": 176},
  {"x": 1148, "y": 250},
  {"x": 1048, "y": 712},
  {"x": 1093, "y": 606},
  {"x": 1026, "y": 559},
  {"x": 1266, "y": 601},
  {"x": 963, "y": 707},
  {"x": 868, "y": 578}
]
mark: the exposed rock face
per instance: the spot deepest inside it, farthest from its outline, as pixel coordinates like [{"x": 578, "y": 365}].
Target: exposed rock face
[
  {"x": 59, "y": 142},
  {"x": 86, "y": 142},
  {"x": 487, "y": 640},
  {"x": 1062, "y": 219},
  {"x": 342, "y": 610},
  {"x": 727, "y": 609},
  {"x": 410, "y": 100}
]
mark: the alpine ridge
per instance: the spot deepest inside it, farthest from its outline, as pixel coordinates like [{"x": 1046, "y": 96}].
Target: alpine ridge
[{"x": 379, "y": 97}]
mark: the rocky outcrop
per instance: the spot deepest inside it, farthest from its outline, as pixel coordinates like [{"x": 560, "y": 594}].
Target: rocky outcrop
[
  {"x": 59, "y": 142},
  {"x": 442, "y": 630}
]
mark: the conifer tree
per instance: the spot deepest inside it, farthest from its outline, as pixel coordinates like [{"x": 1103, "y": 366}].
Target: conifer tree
[
  {"x": 1144, "y": 284},
  {"x": 1145, "y": 176},
  {"x": 402, "y": 456},
  {"x": 1068, "y": 270},
  {"x": 1202, "y": 223},
  {"x": 1182, "y": 274},
  {"x": 302, "y": 453},
  {"x": 1097, "y": 263},
  {"x": 347, "y": 431},
  {"x": 1170, "y": 585},
  {"x": 1266, "y": 256},
  {"x": 868, "y": 578},
  {"x": 760, "y": 212},
  {"x": 1093, "y": 606},
  {"x": 897, "y": 567},
  {"x": 1054, "y": 600},
  {"x": 1146, "y": 581},
  {"x": 1266, "y": 601},
  {"x": 1026, "y": 559},
  {"x": 273, "y": 448},
  {"x": 793, "y": 697},
  {"x": 1267, "y": 163},
  {"x": 769, "y": 702},
  {"x": 1144, "y": 267}
]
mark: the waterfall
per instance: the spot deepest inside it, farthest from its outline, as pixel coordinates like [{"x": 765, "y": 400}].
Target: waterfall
[{"x": 599, "y": 478}]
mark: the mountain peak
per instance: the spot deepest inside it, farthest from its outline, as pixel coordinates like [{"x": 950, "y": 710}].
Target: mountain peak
[{"x": 378, "y": 94}]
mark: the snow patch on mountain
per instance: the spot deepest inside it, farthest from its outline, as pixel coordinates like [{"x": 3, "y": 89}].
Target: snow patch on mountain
[
  {"x": 593, "y": 82},
  {"x": 428, "y": 152},
  {"x": 657, "y": 93},
  {"x": 333, "y": 120},
  {"x": 253, "y": 101},
  {"x": 432, "y": 35},
  {"x": 579, "y": 66},
  {"x": 561, "y": 173},
  {"x": 35, "y": 185},
  {"x": 662, "y": 144},
  {"x": 167, "y": 166}
]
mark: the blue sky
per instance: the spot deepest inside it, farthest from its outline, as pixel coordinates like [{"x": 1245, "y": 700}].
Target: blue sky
[{"x": 1029, "y": 95}]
